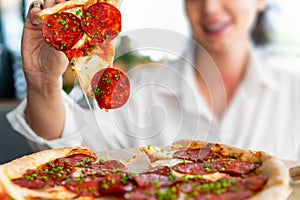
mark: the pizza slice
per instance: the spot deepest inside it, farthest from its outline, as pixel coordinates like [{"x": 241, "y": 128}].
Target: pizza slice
[{"x": 85, "y": 30}]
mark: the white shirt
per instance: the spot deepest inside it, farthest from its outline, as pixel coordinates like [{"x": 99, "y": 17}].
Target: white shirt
[{"x": 165, "y": 106}]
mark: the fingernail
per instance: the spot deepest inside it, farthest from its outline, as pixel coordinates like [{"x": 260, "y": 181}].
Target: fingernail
[{"x": 36, "y": 4}]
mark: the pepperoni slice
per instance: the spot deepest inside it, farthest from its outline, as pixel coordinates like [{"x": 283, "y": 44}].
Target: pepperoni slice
[
  {"x": 234, "y": 166},
  {"x": 153, "y": 193},
  {"x": 113, "y": 165},
  {"x": 158, "y": 178},
  {"x": 115, "y": 184},
  {"x": 141, "y": 194},
  {"x": 87, "y": 186},
  {"x": 111, "y": 87},
  {"x": 62, "y": 30},
  {"x": 101, "y": 21},
  {"x": 193, "y": 154},
  {"x": 195, "y": 168},
  {"x": 229, "y": 166},
  {"x": 77, "y": 160}
]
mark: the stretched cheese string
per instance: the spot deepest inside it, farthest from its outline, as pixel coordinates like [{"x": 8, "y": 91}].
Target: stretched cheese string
[{"x": 95, "y": 119}]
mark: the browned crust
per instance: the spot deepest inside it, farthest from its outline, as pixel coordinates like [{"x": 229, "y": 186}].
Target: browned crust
[
  {"x": 277, "y": 186},
  {"x": 19, "y": 166},
  {"x": 189, "y": 144}
]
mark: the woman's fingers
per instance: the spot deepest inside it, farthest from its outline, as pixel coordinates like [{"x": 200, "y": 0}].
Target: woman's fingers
[
  {"x": 34, "y": 8},
  {"x": 59, "y": 1},
  {"x": 50, "y": 3}
]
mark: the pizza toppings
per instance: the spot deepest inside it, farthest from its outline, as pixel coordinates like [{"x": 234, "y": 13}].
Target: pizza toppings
[
  {"x": 101, "y": 21},
  {"x": 111, "y": 88},
  {"x": 227, "y": 188},
  {"x": 217, "y": 175},
  {"x": 193, "y": 154},
  {"x": 85, "y": 33},
  {"x": 157, "y": 178},
  {"x": 62, "y": 30},
  {"x": 229, "y": 166}
]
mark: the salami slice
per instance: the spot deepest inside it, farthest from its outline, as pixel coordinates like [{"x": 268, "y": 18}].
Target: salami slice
[
  {"x": 111, "y": 87},
  {"x": 234, "y": 166},
  {"x": 110, "y": 166},
  {"x": 87, "y": 186},
  {"x": 195, "y": 168},
  {"x": 158, "y": 178},
  {"x": 115, "y": 184},
  {"x": 62, "y": 30},
  {"x": 153, "y": 193},
  {"x": 74, "y": 161},
  {"x": 101, "y": 21},
  {"x": 141, "y": 194},
  {"x": 229, "y": 166},
  {"x": 193, "y": 154}
]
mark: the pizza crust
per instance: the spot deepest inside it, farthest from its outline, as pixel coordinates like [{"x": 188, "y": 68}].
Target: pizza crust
[
  {"x": 19, "y": 166},
  {"x": 16, "y": 168}
]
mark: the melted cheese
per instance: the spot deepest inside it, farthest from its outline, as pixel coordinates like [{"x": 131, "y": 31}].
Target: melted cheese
[
  {"x": 87, "y": 66},
  {"x": 162, "y": 157},
  {"x": 157, "y": 153}
]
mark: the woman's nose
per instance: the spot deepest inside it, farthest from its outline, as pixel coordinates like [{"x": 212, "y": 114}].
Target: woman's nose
[{"x": 211, "y": 6}]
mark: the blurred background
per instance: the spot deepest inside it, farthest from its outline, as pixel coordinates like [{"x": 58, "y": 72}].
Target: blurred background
[{"x": 282, "y": 22}]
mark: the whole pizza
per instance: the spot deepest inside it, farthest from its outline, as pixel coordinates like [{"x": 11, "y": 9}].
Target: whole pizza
[{"x": 186, "y": 170}]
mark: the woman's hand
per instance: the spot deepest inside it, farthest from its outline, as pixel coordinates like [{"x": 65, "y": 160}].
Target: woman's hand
[
  {"x": 43, "y": 67},
  {"x": 42, "y": 64}
]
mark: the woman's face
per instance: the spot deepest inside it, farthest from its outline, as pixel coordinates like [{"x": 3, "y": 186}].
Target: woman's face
[{"x": 221, "y": 24}]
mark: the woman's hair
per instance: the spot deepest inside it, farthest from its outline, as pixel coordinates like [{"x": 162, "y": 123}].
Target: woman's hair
[{"x": 259, "y": 33}]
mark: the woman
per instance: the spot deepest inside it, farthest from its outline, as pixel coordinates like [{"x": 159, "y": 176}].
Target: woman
[{"x": 238, "y": 99}]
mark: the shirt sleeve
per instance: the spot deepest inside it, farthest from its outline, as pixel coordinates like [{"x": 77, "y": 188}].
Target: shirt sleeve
[{"x": 70, "y": 132}]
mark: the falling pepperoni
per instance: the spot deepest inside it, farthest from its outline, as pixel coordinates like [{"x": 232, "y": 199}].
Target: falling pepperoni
[
  {"x": 101, "y": 21},
  {"x": 111, "y": 87},
  {"x": 62, "y": 30}
]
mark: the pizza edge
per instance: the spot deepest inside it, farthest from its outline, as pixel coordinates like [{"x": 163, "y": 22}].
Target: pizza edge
[
  {"x": 277, "y": 186},
  {"x": 3, "y": 193},
  {"x": 17, "y": 167}
]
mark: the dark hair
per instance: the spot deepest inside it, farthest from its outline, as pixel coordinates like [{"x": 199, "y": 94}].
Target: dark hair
[{"x": 259, "y": 33}]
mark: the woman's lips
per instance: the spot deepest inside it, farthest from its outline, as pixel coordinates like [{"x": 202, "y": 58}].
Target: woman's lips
[{"x": 215, "y": 27}]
